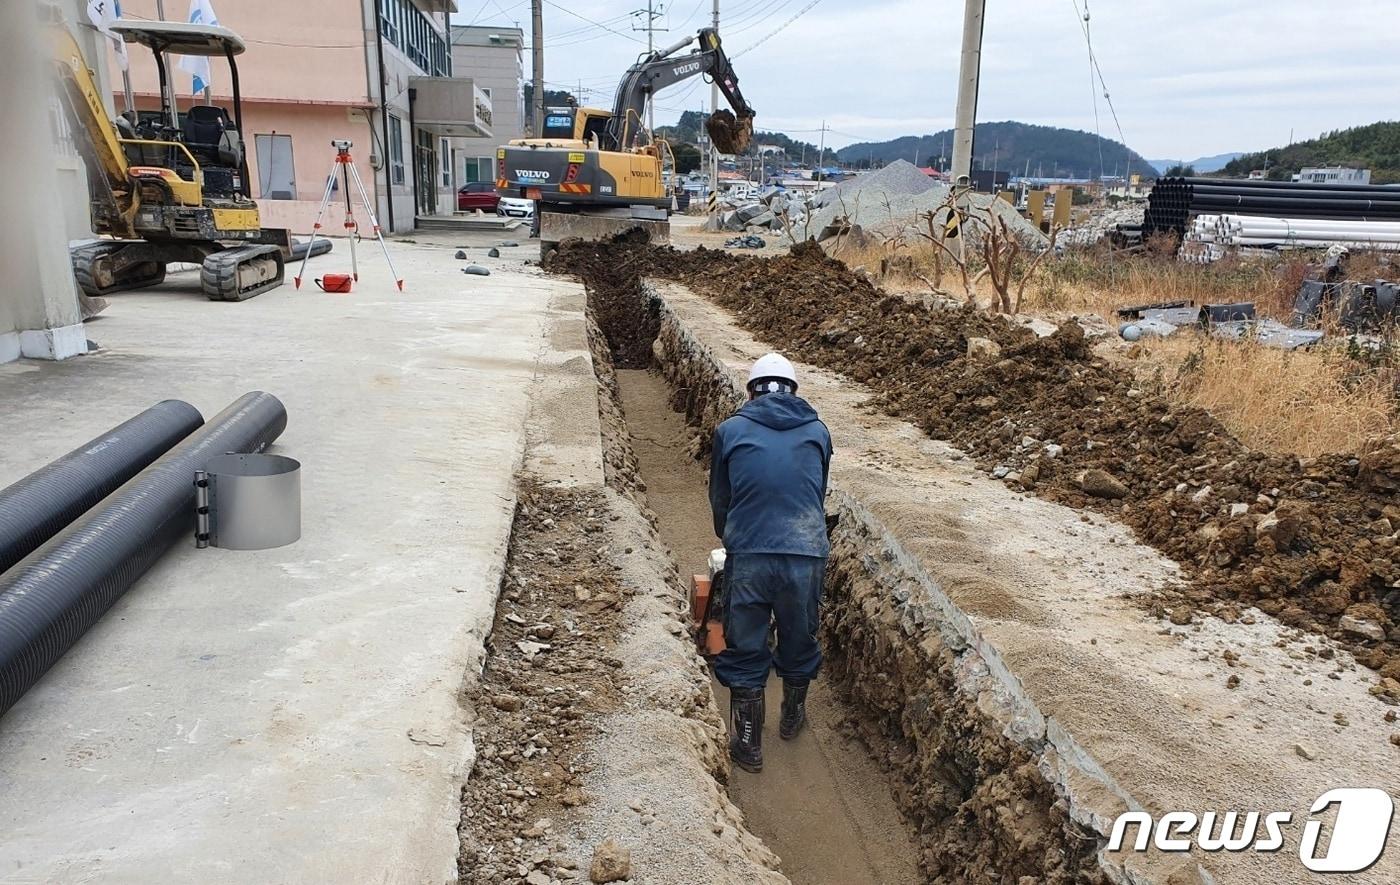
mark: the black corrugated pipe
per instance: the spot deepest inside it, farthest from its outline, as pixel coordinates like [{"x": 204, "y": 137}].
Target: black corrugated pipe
[
  {"x": 1266, "y": 184},
  {"x": 1280, "y": 206},
  {"x": 35, "y": 508},
  {"x": 1383, "y": 195},
  {"x": 56, "y": 593}
]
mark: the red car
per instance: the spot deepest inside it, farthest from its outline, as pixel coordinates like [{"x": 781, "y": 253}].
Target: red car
[{"x": 477, "y": 195}]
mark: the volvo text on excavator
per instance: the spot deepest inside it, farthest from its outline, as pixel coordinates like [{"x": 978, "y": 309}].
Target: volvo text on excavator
[
  {"x": 165, "y": 188},
  {"x": 593, "y": 172}
]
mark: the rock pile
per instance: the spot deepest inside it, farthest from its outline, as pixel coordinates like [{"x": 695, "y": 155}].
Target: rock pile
[
  {"x": 894, "y": 203},
  {"x": 1101, "y": 224}
]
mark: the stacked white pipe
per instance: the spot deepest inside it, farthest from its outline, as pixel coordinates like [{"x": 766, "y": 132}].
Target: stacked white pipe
[
  {"x": 1202, "y": 243},
  {"x": 1252, "y": 230}
]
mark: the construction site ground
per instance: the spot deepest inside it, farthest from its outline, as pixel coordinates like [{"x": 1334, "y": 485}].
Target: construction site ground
[
  {"x": 474, "y": 664},
  {"x": 288, "y": 715}
]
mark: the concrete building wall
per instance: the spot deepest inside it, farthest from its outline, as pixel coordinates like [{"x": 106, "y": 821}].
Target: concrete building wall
[
  {"x": 39, "y": 315},
  {"x": 494, "y": 59},
  {"x": 409, "y": 194}
]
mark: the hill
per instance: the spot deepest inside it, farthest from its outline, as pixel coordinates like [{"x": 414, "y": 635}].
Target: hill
[
  {"x": 1202, "y": 165},
  {"x": 687, "y": 130},
  {"x": 1048, "y": 151},
  {"x": 1375, "y": 147}
]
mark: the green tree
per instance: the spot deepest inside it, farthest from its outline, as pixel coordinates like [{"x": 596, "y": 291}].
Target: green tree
[
  {"x": 1180, "y": 171},
  {"x": 1375, "y": 147},
  {"x": 687, "y": 157},
  {"x": 553, "y": 98}
]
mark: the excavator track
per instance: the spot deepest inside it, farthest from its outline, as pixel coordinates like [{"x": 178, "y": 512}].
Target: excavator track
[
  {"x": 99, "y": 273},
  {"x": 242, "y": 272}
]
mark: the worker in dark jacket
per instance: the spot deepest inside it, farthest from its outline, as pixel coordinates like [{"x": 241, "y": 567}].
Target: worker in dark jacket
[{"x": 768, "y": 473}]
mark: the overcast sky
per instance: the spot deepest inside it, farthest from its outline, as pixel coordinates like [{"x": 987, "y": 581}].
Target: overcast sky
[{"x": 1188, "y": 78}]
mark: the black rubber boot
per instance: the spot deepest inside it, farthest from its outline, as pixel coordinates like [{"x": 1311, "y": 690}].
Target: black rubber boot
[
  {"x": 746, "y": 728},
  {"x": 794, "y": 710}
]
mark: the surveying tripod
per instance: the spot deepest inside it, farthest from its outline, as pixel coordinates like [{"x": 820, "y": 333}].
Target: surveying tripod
[{"x": 344, "y": 168}]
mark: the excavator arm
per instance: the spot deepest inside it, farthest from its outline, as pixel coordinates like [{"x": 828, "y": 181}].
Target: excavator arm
[
  {"x": 95, "y": 136},
  {"x": 655, "y": 72}
]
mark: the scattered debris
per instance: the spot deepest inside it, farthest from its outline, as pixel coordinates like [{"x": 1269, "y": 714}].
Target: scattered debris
[{"x": 746, "y": 242}]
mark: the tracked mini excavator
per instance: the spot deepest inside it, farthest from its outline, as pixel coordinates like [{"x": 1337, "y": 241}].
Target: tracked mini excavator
[
  {"x": 593, "y": 173},
  {"x": 163, "y": 189}
]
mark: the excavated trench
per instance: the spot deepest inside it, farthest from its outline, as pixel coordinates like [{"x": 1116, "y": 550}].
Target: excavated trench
[
  {"x": 822, "y": 803},
  {"x": 918, "y": 765}
]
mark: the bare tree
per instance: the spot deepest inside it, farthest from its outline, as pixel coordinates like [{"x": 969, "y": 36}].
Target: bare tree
[
  {"x": 1005, "y": 256},
  {"x": 937, "y": 228}
]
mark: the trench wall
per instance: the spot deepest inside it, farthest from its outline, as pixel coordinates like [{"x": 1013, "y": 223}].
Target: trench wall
[{"x": 996, "y": 791}]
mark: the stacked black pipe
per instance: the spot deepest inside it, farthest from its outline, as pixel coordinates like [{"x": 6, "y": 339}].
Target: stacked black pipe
[
  {"x": 52, "y": 596},
  {"x": 1174, "y": 200}
]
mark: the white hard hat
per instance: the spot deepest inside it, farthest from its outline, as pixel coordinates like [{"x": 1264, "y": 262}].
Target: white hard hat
[{"x": 772, "y": 366}]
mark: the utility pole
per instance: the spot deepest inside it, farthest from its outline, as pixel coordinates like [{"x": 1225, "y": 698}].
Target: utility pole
[
  {"x": 714, "y": 106},
  {"x": 652, "y": 13},
  {"x": 537, "y": 62},
  {"x": 821, "y": 156},
  {"x": 965, "y": 120}
]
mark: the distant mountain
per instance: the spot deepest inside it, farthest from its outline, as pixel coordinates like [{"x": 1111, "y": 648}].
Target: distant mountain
[
  {"x": 1202, "y": 165},
  {"x": 1044, "y": 151},
  {"x": 1375, "y": 147}
]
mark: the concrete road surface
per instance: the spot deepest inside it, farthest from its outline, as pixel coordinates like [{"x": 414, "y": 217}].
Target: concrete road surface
[{"x": 288, "y": 715}]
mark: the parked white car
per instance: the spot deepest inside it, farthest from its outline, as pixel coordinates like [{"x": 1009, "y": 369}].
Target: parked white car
[{"x": 515, "y": 207}]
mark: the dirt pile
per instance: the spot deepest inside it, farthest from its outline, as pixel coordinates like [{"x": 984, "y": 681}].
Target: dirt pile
[
  {"x": 548, "y": 677},
  {"x": 1313, "y": 542}
]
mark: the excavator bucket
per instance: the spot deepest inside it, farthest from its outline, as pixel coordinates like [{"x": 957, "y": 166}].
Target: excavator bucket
[{"x": 730, "y": 134}]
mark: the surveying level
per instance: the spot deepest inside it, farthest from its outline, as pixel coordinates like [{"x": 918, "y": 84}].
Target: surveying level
[{"x": 344, "y": 166}]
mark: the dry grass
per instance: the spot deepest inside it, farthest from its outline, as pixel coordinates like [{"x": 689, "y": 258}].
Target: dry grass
[
  {"x": 1100, "y": 283},
  {"x": 1303, "y": 403}
]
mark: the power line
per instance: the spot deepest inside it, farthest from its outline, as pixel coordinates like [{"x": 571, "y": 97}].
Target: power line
[
  {"x": 760, "y": 10},
  {"x": 801, "y": 12},
  {"x": 592, "y": 22},
  {"x": 1094, "y": 61},
  {"x": 756, "y": 20}
]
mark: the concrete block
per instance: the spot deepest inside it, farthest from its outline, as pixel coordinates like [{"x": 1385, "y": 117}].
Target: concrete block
[
  {"x": 53, "y": 344},
  {"x": 9, "y": 347}
]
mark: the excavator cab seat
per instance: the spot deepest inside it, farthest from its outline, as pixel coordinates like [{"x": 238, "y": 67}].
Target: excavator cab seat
[
  {"x": 211, "y": 136},
  {"x": 213, "y": 140}
]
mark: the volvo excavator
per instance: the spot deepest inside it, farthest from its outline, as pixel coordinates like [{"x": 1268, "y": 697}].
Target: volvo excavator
[
  {"x": 163, "y": 189},
  {"x": 593, "y": 173}
]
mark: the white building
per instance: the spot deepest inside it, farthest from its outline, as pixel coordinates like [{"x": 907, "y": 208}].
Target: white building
[
  {"x": 1333, "y": 175},
  {"x": 496, "y": 58}
]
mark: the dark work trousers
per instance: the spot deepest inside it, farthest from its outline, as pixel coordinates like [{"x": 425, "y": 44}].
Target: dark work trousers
[{"x": 760, "y": 588}]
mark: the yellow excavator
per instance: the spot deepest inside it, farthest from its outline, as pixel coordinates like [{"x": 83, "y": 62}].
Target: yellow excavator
[
  {"x": 594, "y": 172},
  {"x": 165, "y": 189}
]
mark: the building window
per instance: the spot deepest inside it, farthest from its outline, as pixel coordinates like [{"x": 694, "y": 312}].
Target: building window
[
  {"x": 277, "y": 179},
  {"x": 396, "y": 149},
  {"x": 445, "y": 162},
  {"x": 406, "y": 27},
  {"x": 486, "y": 168}
]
